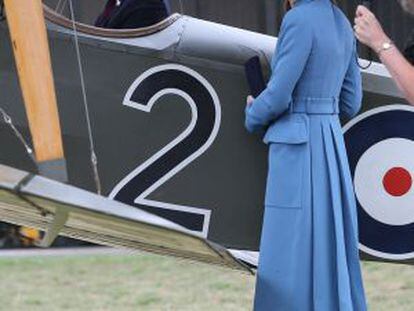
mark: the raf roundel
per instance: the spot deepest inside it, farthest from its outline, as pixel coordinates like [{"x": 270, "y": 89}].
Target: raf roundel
[{"x": 380, "y": 145}]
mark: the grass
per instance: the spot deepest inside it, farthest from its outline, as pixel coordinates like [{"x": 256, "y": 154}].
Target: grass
[{"x": 148, "y": 282}]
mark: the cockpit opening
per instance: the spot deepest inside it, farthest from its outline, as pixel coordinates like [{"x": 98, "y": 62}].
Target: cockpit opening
[
  {"x": 112, "y": 18},
  {"x": 132, "y": 14}
]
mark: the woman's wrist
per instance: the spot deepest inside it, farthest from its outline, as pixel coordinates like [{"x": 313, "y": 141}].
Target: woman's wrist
[{"x": 378, "y": 44}]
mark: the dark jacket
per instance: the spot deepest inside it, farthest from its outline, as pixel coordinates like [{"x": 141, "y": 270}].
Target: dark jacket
[
  {"x": 409, "y": 49},
  {"x": 133, "y": 13}
]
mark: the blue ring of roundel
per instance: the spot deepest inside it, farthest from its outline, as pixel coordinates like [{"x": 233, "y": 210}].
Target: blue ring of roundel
[{"x": 395, "y": 240}]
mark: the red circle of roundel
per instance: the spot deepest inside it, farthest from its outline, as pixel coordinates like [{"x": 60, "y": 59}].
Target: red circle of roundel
[{"x": 397, "y": 181}]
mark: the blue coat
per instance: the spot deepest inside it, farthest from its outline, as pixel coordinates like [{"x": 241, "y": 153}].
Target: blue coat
[{"x": 309, "y": 247}]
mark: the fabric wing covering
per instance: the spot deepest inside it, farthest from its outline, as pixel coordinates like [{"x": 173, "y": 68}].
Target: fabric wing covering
[{"x": 35, "y": 201}]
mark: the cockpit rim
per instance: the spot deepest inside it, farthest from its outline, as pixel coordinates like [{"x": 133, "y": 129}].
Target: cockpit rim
[{"x": 58, "y": 19}]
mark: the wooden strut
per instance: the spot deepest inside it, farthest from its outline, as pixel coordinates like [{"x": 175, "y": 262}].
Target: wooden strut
[
  {"x": 31, "y": 50},
  {"x": 58, "y": 223}
]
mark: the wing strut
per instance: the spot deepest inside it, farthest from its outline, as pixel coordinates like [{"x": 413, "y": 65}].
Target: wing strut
[
  {"x": 54, "y": 228},
  {"x": 31, "y": 51}
]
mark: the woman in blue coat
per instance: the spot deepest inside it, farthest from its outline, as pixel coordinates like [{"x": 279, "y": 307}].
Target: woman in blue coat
[{"x": 309, "y": 247}]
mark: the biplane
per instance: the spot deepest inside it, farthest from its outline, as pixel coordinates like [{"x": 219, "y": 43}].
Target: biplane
[{"x": 153, "y": 118}]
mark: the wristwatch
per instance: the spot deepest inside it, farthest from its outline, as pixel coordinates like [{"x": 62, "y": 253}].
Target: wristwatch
[{"x": 384, "y": 47}]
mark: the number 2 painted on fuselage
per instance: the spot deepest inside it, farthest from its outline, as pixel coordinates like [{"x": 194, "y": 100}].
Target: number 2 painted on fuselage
[{"x": 172, "y": 79}]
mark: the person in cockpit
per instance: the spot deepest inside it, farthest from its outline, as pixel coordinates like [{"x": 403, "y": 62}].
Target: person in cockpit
[{"x": 129, "y": 14}]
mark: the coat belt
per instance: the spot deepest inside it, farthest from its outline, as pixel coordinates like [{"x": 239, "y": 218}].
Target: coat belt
[{"x": 313, "y": 105}]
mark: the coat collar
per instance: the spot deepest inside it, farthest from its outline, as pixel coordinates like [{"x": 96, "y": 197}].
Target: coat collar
[{"x": 299, "y": 2}]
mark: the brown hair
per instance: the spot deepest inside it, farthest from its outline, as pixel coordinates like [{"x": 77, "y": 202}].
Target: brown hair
[{"x": 287, "y": 7}]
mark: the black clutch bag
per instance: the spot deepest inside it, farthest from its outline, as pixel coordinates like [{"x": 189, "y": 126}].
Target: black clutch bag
[{"x": 255, "y": 77}]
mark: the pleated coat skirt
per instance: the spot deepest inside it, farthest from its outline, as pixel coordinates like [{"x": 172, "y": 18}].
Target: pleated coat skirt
[
  {"x": 309, "y": 245},
  {"x": 308, "y": 254}
]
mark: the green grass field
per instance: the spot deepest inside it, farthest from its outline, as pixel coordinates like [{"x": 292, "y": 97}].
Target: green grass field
[{"x": 148, "y": 282}]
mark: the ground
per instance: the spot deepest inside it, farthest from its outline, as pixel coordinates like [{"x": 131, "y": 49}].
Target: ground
[{"x": 148, "y": 282}]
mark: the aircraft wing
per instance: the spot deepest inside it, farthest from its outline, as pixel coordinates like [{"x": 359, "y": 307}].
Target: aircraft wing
[{"x": 31, "y": 200}]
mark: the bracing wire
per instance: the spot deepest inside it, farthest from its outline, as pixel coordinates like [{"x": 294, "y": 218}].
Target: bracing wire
[
  {"x": 8, "y": 120},
  {"x": 181, "y": 7},
  {"x": 60, "y": 6},
  {"x": 57, "y": 8},
  {"x": 94, "y": 158}
]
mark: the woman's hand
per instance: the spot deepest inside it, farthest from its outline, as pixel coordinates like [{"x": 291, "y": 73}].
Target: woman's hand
[
  {"x": 368, "y": 30},
  {"x": 249, "y": 100}
]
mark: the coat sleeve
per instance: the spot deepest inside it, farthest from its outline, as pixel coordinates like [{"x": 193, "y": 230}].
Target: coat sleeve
[
  {"x": 350, "y": 98},
  {"x": 292, "y": 52}
]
